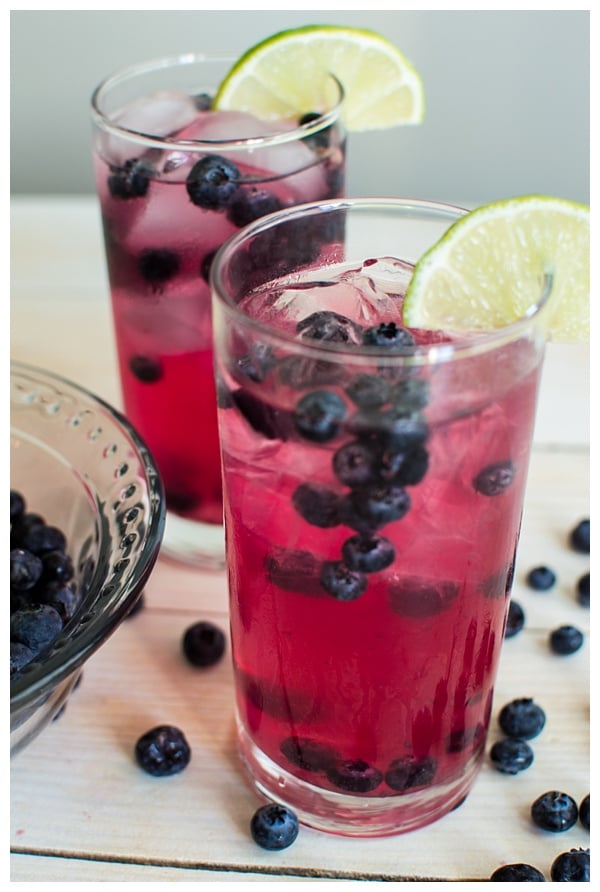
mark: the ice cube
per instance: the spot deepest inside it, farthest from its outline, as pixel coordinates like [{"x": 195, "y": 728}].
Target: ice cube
[{"x": 158, "y": 114}]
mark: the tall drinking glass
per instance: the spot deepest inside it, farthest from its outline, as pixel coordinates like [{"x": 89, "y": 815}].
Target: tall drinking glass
[
  {"x": 175, "y": 179},
  {"x": 374, "y": 481}
]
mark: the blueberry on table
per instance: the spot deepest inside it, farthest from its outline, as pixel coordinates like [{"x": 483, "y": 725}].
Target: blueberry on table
[
  {"x": 511, "y": 755},
  {"x": 341, "y": 582},
  {"x": 571, "y": 867},
  {"x": 584, "y": 811},
  {"x": 410, "y": 772},
  {"x": 354, "y": 776},
  {"x": 522, "y": 718},
  {"x": 541, "y": 578},
  {"x": 274, "y": 827},
  {"x": 157, "y": 265},
  {"x": 494, "y": 479},
  {"x": 318, "y": 415},
  {"x": 129, "y": 181},
  {"x": 212, "y": 182},
  {"x": 579, "y": 537},
  {"x": 515, "y": 619},
  {"x": 554, "y": 811},
  {"x": 203, "y": 644},
  {"x": 162, "y": 751},
  {"x": 517, "y": 873},
  {"x": 583, "y": 590},
  {"x": 565, "y": 640},
  {"x": 248, "y": 204}
]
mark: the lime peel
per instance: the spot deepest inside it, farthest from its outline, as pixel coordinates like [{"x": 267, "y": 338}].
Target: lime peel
[
  {"x": 489, "y": 268},
  {"x": 282, "y": 77}
]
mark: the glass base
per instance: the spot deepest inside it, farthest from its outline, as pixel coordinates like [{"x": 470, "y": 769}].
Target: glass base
[
  {"x": 200, "y": 545},
  {"x": 347, "y": 815}
]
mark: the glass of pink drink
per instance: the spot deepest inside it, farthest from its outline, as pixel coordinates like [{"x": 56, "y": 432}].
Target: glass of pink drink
[
  {"x": 175, "y": 179},
  {"x": 374, "y": 480}
]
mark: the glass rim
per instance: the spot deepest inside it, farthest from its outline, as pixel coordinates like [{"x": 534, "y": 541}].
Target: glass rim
[
  {"x": 103, "y": 121},
  {"x": 463, "y": 345}
]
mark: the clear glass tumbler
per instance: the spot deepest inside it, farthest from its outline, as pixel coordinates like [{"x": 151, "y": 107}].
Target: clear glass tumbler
[
  {"x": 373, "y": 484},
  {"x": 175, "y": 179}
]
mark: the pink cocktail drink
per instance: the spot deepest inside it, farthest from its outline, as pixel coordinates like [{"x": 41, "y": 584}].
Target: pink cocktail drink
[
  {"x": 374, "y": 482},
  {"x": 175, "y": 179}
]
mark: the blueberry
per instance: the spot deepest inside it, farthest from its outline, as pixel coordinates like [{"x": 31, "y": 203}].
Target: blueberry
[
  {"x": 495, "y": 478},
  {"x": 318, "y": 415},
  {"x": 583, "y": 590},
  {"x": 571, "y": 867},
  {"x": 579, "y": 537},
  {"x": 247, "y": 205},
  {"x": 522, "y": 718},
  {"x": 404, "y": 774},
  {"x": 58, "y": 566},
  {"x": 20, "y": 528},
  {"x": 203, "y": 101},
  {"x": 308, "y": 754},
  {"x": 25, "y": 569},
  {"x": 212, "y": 182},
  {"x": 368, "y": 391},
  {"x": 35, "y": 627},
  {"x": 20, "y": 655},
  {"x": 356, "y": 463},
  {"x": 17, "y": 506},
  {"x": 294, "y": 571},
  {"x": 511, "y": 755},
  {"x": 584, "y": 811},
  {"x": 274, "y": 827},
  {"x": 354, "y": 776},
  {"x": 517, "y": 873},
  {"x": 369, "y": 554},
  {"x": 515, "y": 619},
  {"x": 162, "y": 751},
  {"x": 266, "y": 420},
  {"x": 554, "y": 811},
  {"x": 341, "y": 582},
  {"x": 129, "y": 181},
  {"x": 410, "y": 394},
  {"x": 325, "y": 325},
  {"x": 420, "y": 598},
  {"x": 146, "y": 369},
  {"x": 157, "y": 265},
  {"x": 317, "y": 505},
  {"x": 368, "y": 508},
  {"x": 565, "y": 640},
  {"x": 388, "y": 335},
  {"x": 320, "y": 140},
  {"x": 256, "y": 364},
  {"x": 406, "y": 467},
  {"x": 203, "y": 644},
  {"x": 43, "y": 537},
  {"x": 63, "y": 597},
  {"x": 390, "y": 427},
  {"x": 541, "y": 578}
]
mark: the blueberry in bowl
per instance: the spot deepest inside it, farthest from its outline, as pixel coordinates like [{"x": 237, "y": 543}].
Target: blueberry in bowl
[{"x": 87, "y": 521}]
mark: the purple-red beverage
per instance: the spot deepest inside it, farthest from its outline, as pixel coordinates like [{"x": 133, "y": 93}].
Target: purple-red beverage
[
  {"x": 168, "y": 201},
  {"x": 374, "y": 482}
]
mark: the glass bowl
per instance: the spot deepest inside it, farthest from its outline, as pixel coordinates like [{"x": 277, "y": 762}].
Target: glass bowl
[{"x": 80, "y": 465}]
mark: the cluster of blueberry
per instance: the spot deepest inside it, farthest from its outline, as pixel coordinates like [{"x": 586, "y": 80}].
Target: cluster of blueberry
[
  {"x": 43, "y": 594},
  {"x": 568, "y": 867},
  {"x": 521, "y": 720}
]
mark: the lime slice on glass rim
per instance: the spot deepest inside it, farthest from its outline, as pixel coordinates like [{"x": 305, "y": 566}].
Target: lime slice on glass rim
[
  {"x": 282, "y": 76},
  {"x": 488, "y": 269}
]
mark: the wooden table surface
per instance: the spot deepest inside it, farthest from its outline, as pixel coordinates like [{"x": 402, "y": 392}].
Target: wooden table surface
[{"x": 81, "y": 810}]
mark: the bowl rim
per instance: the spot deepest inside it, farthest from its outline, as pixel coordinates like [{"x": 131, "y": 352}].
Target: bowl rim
[{"x": 44, "y": 677}]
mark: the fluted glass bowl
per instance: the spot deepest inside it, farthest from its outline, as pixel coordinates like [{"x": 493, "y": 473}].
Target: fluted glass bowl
[{"x": 80, "y": 465}]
